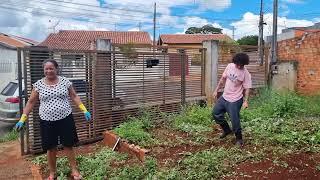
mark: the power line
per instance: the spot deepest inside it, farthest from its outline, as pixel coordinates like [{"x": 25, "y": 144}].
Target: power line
[{"x": 56, "y": 16}]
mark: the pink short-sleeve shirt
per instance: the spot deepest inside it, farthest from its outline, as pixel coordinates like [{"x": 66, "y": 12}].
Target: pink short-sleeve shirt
[{"x": 237, "y": 81}]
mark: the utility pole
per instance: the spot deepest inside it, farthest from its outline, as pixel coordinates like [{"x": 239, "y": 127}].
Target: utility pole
[
  {"x": 275, "y": 32},
  {"x": 260, "y": 40},
  {"x": 139, "y": 26},
  {"x": 154, "y": 28},
  {"x": 233, "y": 32}
]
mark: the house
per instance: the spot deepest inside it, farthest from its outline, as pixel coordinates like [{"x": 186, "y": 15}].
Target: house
[
  {"x": 82, "y": 40},
  {"x": 294, "y": 32},
  {"x": 174, "y": 41},
  {"x": 85, "y": 40},
  {"x": 192, "y": 42},
  {"x": 8, "y": 56}
]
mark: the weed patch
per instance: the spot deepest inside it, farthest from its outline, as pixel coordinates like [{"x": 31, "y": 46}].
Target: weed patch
[{"x": 10, "y": 136}]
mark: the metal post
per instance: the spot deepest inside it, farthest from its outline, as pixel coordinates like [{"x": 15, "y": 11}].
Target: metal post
[
  {"x": 154, "y": 28},
  {"x": 183, "y": 76},
  {"x": 260, "y": 40},
  {"x": 143, "y": 100},
  {"x": 21, "y": 99},
  {"x": 114, "y": 64},
  {"x": 275, "y": 28},
  {"x": 164, "y": 80},
  {"x": 203, "y": 62},
  {"x": 26, "y": 97}
]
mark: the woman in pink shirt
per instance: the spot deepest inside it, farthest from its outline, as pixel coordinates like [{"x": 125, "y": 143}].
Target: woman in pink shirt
[{"x": 237, "y": 81}]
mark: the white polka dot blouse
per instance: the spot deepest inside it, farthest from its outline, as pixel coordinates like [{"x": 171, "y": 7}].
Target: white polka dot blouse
[{"x": 54, "y": 102}]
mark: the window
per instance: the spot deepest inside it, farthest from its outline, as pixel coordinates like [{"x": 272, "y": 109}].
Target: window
[
  {"x": 152, "y": 62},
  {"x": 10, "y": 89}
]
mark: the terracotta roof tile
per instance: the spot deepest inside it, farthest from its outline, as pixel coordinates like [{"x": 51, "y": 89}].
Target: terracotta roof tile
[
  {"x": 82, "y": 40},
  {"x": 11, "y": 42},
  {"x": 191, "y": 38}
]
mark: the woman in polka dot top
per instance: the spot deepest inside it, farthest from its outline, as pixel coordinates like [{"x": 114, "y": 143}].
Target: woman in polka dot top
[{"x": 55, "y": 112}]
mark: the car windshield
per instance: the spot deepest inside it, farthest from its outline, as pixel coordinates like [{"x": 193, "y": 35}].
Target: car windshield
[{"x": 10, "y": 89}]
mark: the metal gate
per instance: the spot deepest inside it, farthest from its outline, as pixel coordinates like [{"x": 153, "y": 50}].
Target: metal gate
[{"x": 114, "y": 84}]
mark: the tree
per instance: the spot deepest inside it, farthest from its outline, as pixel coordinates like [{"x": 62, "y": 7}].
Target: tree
[
  {"x": 248, "y": 40},
  {"x": 206, "y": 29}
]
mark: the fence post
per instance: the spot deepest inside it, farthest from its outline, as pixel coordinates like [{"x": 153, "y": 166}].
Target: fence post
[
  {"x": 183, "y": 76},
  {"x": 203, "y": 73},
  {"x": 21, "y": 98},
  {"x": 211, "y": 68},
  {"x": 102, "y": 81}
]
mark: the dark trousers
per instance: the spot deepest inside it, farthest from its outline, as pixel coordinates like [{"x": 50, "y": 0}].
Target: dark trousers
[{"x": 233, "y": 109}]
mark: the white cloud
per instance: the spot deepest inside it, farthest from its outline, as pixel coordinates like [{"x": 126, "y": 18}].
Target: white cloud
[
  {"x": 294, "y": 1},
  {"x": 248, "y": 25},
  {"x": 36, "y": 18},
  {"x": 216, "y": 5},
  {"x": 134, "y": 29}
]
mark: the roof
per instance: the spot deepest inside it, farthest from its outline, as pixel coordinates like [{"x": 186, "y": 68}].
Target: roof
[
  {"x": 83, "y": 40},
  {"x": 11, "y": 41},
  {"x": 191, "y": 38}
]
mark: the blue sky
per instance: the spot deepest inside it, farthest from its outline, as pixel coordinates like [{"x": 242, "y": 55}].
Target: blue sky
[{"x": 36, "y": 19}]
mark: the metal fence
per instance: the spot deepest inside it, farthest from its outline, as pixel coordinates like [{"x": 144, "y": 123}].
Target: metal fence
[{"x": 115, "y": 84}]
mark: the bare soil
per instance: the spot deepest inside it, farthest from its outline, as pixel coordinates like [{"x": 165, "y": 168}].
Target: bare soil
[{"x": 12, "y": 164}]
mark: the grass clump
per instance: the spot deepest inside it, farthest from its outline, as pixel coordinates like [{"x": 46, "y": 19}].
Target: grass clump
[
  {"x": 193, "y": 119},
  {"x": 283, "y": 118},
  {"x": 10, "y": 136}
]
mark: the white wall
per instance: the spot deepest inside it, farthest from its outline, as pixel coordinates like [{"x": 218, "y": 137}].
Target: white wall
[{"x": 8, "y": 65}]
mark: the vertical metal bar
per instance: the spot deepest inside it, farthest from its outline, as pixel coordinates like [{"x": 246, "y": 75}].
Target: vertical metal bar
[
  {"x": 164, "y": 80},
  {"x": 92, "y": 62},
  {"x": 26, "y": 96},
  {"x": 143, "y": 100},
  {"x": 114, "y": 63},
  {"x": 203, "y": 58},
  {"x": 21, "y": 99},
  {"x": 88, "y": 87},
  {"x": 183, "y": 76}
]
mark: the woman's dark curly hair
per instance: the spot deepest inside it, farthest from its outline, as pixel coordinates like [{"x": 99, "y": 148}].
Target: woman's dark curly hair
[{"x": 240, "y": 59}]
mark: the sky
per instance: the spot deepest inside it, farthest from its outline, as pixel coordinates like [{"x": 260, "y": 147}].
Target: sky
[{"x": 36, "y": 19}]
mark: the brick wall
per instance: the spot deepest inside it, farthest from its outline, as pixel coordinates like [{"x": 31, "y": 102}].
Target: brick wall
[{"x": 305, "y": 50}]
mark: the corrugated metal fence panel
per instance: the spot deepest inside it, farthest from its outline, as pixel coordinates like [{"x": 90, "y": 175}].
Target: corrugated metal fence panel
[
  {"x": 116, "y": 84},
  {"x": 258, "y": 72}
]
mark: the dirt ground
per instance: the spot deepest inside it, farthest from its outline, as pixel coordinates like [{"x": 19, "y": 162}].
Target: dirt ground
[
  {"x": 292, "y": 166},
  {"x": 12, "y": 164}
]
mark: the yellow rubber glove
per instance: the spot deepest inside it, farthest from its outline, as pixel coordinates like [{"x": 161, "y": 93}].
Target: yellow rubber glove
[
  {"x": 87, "y": 114},
  {"x": 20, "y": 124}
]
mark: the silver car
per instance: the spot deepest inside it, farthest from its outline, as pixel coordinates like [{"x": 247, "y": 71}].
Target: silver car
[{"x": 9, "y": 103}]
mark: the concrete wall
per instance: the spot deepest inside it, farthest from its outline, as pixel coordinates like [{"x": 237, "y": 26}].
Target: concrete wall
[
  {"x": 306, "y": 51},
  {"x": 8, "y": 65},
  {"x": 211, "y": 68},
  {"x": 285, "y": 76}
]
